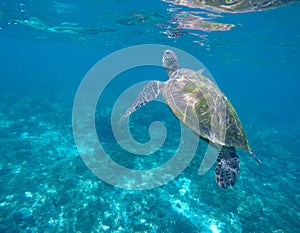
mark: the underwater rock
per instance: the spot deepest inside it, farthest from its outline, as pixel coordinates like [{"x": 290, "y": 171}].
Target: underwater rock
[
  {"x": 251, "y": 208},
  {"x": 23, "y": 215}
]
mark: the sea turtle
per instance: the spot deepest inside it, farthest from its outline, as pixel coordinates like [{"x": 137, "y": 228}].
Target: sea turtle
[
  {"x": 231, "y": 6},
  {"x": 202, "y": 107}
]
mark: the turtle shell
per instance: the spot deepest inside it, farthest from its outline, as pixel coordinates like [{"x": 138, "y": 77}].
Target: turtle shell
[
  {"x": 201, "y": 106},
  {"x": 232, "y": 6}
]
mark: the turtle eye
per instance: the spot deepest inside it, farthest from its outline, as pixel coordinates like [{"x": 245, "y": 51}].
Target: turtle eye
[{"x": 167, "y": 52}]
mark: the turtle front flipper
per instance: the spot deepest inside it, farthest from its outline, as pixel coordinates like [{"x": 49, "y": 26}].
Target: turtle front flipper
[
  {"x": 227, "y": 168},
  {"x": 148, "y": 93}
]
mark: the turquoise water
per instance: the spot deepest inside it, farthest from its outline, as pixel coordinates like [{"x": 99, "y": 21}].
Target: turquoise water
[{"x": 47, "y": 47}]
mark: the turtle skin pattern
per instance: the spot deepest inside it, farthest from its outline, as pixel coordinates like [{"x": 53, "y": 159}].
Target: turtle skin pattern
[{"x": 227, "y": 168}]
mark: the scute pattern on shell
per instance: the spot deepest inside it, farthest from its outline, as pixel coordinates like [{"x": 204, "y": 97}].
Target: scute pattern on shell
[{"x": 201, "y": 106}]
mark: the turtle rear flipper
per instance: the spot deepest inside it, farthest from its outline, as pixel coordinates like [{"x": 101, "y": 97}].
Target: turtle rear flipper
[
  {"x": 147, "y": 94},
  {"x": 227, "y": 168}
]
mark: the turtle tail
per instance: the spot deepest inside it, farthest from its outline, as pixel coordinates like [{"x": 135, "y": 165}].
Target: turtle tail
[{"x": 254, "y": 156}]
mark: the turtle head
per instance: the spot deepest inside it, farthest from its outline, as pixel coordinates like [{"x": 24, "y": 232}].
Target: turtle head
[{"x": 170, "y": 61}]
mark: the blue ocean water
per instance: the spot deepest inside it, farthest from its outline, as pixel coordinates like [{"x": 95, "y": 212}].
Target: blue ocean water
[{"x": 47, "y": 47}]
